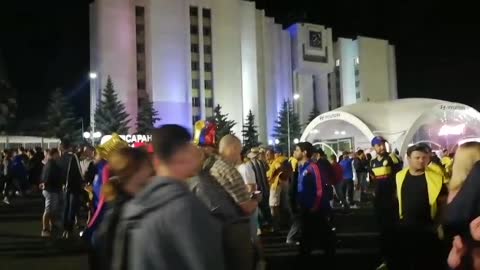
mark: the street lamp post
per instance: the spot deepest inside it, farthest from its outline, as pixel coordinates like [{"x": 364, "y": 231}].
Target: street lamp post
[
  {"x": 92, "y": 136},
  {"x": 296, "y": 96},
  {"x": 93, "y": 99}
]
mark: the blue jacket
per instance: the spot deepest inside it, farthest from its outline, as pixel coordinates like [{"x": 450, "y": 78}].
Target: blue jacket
[
  {"x": 347, "y": 168},
  {"x": 310, "y": 187}
]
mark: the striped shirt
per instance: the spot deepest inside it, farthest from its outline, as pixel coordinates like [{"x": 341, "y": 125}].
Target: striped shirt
[{"x": 230, "y": 179}]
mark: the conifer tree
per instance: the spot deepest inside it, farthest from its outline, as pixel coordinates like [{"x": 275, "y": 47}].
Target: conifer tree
[
  {"x": 61, "y": 122},
  {"x": 250, "y": 133},
  {"x": 313, "y": 114},
  {"x": 280, "y": 131},
  {"x": 110, "y": 114},
  {"x": 147, "y": 115},
  {"x": 224, "y": 126}
]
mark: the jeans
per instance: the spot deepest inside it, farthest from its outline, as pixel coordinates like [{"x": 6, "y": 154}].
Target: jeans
[
  {"x": 347, "y": 189},
  {"x": 72, "y": 206},
  {"x": 294, "y": 232},
  {"x": 362, "y": 181}
]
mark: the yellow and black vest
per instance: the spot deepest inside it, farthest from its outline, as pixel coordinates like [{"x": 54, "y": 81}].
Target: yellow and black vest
[{"x": 434, "y": 186}]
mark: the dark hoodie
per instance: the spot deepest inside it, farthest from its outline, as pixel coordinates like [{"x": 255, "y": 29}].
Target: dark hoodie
[{"x": 167, "y": 227}]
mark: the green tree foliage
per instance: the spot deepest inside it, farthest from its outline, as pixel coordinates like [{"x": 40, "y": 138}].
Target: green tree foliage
[
  {"x": 313, "y": 114},
  {"x": 147, "y": 115},
  {"x": 250, "y": 133},
  {"x": 110, "y": 115},
  {"x": 224, "y": 126},
  {"x": 280, "y": 131},
  {"x": 61, "y": 122}
]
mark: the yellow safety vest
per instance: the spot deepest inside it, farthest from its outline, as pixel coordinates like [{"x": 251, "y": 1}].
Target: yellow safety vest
[
  {"x": 394, "y": 158},
  {"x": 434, "y": 186}
]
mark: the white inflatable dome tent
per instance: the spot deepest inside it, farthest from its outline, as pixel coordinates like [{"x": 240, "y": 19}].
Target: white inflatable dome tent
[{"x": 402, "y": 122}]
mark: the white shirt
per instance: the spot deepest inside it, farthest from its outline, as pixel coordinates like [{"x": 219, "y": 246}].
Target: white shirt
[{"x": 247, "y": 173}]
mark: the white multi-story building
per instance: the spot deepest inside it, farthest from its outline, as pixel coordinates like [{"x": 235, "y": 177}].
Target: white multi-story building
[
  {"x": 190, "y": 55},
  {"x": 364, "y": 70}
]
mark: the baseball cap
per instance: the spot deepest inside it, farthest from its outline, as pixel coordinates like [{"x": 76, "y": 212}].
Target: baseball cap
[{"x": 378, "y": 140}]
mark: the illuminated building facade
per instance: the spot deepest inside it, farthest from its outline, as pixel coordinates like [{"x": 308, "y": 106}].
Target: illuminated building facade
[{"x": 190, "y": 55}]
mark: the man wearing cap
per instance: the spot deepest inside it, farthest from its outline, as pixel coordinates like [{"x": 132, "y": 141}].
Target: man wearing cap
[{"x": 384, "y": 169}]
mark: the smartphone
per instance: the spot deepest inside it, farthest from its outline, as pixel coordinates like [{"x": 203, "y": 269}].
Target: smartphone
[{"x": 255, "y": 194}]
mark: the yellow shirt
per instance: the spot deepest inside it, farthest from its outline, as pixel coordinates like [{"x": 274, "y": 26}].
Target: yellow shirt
[{"x": 275, "y": 171}]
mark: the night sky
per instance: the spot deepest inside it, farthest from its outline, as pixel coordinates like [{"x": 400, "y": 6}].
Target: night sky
[{"x": 45, "y": 45}]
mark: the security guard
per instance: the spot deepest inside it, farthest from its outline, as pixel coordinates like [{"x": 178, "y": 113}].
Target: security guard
[
  {"x": 420, "y": 193},
  {"x": 383, "y": 169}
]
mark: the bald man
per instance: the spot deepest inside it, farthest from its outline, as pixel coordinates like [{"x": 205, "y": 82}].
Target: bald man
[
  {"x": 224, "y": 171},
  {"x": 230, "y": 148}
]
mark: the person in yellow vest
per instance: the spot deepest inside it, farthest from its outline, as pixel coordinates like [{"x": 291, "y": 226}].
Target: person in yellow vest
[
  {"x": 278, "y": 174},
  {"x": 447, "y": 161},
  {"x": 421, "y": 193}
]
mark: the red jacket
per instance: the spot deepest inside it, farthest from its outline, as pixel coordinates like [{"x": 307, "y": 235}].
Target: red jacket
[{"x": 338, "y": 173}]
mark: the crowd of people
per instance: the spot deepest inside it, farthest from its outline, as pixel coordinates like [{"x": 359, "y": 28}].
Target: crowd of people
[{"x": 195, "y": 203}]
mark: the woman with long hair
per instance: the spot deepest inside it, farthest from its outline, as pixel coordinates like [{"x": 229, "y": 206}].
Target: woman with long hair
[{"x": 464, "y": 208}]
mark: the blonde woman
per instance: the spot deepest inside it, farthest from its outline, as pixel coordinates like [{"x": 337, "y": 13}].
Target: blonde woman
[{"x": 464, "y": 207}]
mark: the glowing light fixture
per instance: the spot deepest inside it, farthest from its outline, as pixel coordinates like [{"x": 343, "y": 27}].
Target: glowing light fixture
[{"x": 446, "y": 130}]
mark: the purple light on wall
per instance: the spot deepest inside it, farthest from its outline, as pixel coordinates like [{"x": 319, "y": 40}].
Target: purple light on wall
[
  {"x": 174, "y": 113},
  {"x": 293, "y": 30}
]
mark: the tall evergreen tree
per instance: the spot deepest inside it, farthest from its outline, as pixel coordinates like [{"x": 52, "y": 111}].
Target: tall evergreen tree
[
  {"x": 313, "y": 114},
  {"x": 250, "y": 133},
  {"x": 8, "y": 106},
  {"x": 110, "y": 115},
  {"x": 280, "y": 131},
  {"x": 224, "y": 126},
  {"x": 147, "y": 115},
  {"x": 61, "y": 122}
]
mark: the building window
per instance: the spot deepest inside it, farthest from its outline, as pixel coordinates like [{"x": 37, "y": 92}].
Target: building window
[
  {"x": 140, "y": 48},
  {"x": 196, "y": 102},
  {"x": 194, "y": 11},
  {"x": 358, "y": 95},
  {"x": 195, "y": 66},
  {"x": 194, "y": 29},
  {"x": 196, "y": 83},
  {"x": 207, "y": 31},
  {"x": 357, "y": 61},
  {"x": 209, "y": 102},
  {"x": 194, "y": 48},
  {"x": 207, "y": 49},
  {"x": 208, "y": 67},
  {"x": 208, "y": 84},
  {"x": 139, "y": 11},
  {"x": 140, "y": 29},
  {"x": 140, "y": 66},
  {"x": 141, "y": 84},
  {"x": 357, "y": 84},
  {"x": 337, "y": 62},
  {"x": 206, "y": 13},
  {"x": 195, "y": 118}
]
